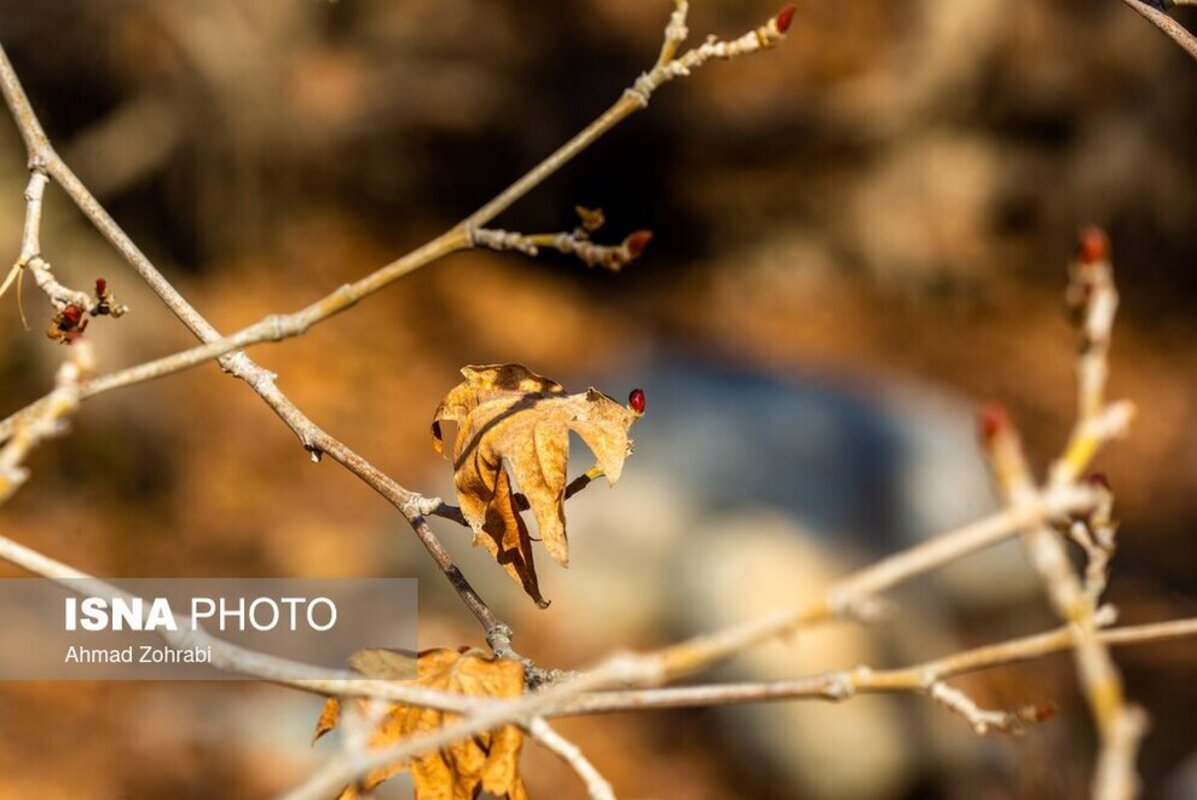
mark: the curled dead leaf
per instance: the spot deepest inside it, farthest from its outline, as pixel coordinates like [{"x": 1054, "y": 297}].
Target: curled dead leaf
[
  {"x": 486, "y": 762},
  {"x": 507, "y": 413}
]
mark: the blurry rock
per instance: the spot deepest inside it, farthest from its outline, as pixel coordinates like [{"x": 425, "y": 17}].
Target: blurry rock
[
  {"x": 744, "y": 567},
  {"x": 733, "y": 437},
  {"x": 867, "y": 472},
  {"x": 879, "y": 466}
]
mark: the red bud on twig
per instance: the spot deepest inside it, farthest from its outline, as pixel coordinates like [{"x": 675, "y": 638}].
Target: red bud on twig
[
  {"x": 1038, "y": 713},
  {"x": 785, "y": 17},
  {"x": 636, "y": 400},
  {"x": 637, "y": 241},
  {"x": 72, "y": 315},
  {"x": 68, "y": 324},
  {"x": 992, "y": 421},
  {"x": 1093, "y": 245}
]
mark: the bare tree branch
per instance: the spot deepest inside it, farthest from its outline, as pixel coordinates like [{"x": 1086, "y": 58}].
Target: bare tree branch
[
  {"x": 43, "y": 158},
  {"x": 637, "y": 97},
  {"x": 1170, "y": 27},
  {"x": 1092, "y": 292},
  {"x": 847, "y": 595}
]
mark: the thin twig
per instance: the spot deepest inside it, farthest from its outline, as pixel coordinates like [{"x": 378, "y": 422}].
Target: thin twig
[
  {"x": 846, "y": 596},
  {"x": 841, "y": 684},
  {"x": 597, "y": 787},
  {"x": 30, "y": 256},
  {"x": 1120, "y": 724},
  {"x": 576, "y": 243},
  {"x": 633, "y": 99},
  {"x": 278, "y": 327},
  {"x": 1092, "y": 292},
  {"x": 42, "y": 157},
  {"x": 1170, "y": 27}
]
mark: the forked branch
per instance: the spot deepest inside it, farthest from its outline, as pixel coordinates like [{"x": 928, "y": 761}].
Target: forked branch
[{"x": 44, "y": 159}]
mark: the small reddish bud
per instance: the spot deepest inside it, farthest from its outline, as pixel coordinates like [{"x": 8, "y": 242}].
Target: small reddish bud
[
  {"x": 993, "y": 420},
  {"x": 1038, "y": 713},
  {"x": 101, "y": 287},
  {"x": 636, "y": 400},
  {"x": 68, "y": 324},
  {"x": 785, "y": 17},
  {"x": 637, "y": 241},
  {"x": 72, "y": 315},
  {"x": 1093, "y": 245}
]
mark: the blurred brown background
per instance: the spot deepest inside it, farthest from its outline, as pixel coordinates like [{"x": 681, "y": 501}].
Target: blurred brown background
[{"x": 883, "y": 206}]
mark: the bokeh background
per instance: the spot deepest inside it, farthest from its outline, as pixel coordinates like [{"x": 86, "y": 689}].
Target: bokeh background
[{"x": 860, "y": 237}]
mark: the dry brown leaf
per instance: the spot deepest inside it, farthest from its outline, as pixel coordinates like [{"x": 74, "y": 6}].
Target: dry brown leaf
[
  {"x": 506, "y": 412},
  {"x": 485, "y": 762},
  {"x": 378, "y": 662},
  {"x": 330, "y": 717}
]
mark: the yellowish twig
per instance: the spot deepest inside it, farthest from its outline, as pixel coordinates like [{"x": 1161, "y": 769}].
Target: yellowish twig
[
  {"x": 1119, "y": 725},
  {"x": 847, "y": 596},
  {"x": 843, "y": 684}
]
